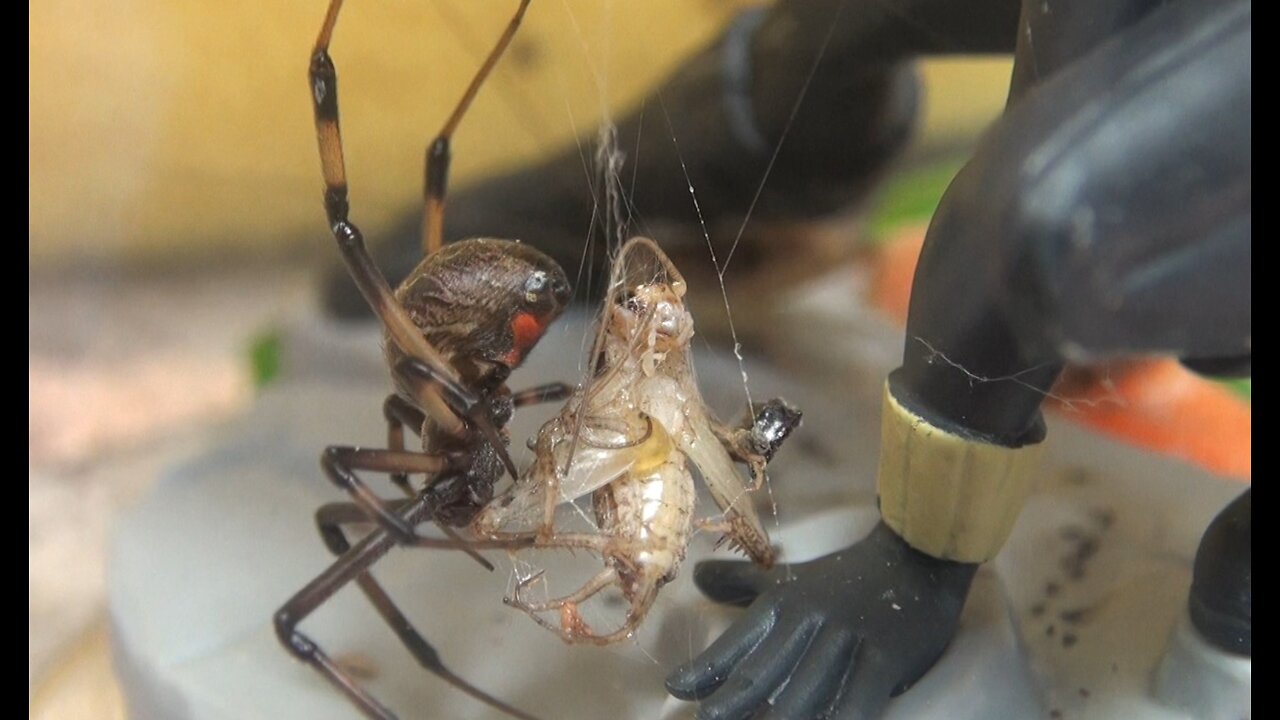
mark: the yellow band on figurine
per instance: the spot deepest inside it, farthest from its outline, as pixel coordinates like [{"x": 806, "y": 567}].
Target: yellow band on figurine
[{"x": 948, "y": 496}]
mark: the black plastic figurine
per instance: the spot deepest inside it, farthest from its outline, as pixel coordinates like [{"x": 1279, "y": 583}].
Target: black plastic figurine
[{"x": 1108, "y": 213}]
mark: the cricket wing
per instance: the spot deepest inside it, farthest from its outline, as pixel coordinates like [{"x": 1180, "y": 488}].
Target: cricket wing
[{"x": 554, "y": 469}]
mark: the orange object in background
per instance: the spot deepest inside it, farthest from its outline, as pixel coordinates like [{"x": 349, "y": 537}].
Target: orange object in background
[{"x": 1154, "y": 404}]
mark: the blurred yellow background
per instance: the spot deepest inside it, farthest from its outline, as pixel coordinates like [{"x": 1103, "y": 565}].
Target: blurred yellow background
[{"x": 164, "y": 133}]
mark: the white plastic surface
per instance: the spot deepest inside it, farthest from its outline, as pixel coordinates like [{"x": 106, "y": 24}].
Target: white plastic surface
[
  {"x": 1071, "y": 618},
  {"x": 1203, "y": 680}
]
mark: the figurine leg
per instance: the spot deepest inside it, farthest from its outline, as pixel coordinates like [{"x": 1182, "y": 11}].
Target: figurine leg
[
  {"x": 1207, "y": 667},
  {"x": 1221, "y": 602}
]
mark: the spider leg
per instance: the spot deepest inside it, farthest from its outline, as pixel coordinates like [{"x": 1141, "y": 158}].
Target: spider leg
[
  {"x": 330, "y": 519},
  {"x": 425, "y": 379},
  {"x": 550, "y": 392},
  {"x": 354, "y": 564},
  {"x": 398, "y": 413},
  {"x": 368, "y": 278},
  {"x": 332, "y": 515},
  {"x": 341, "y": 462},
  {"x": 436, "y": 170}
]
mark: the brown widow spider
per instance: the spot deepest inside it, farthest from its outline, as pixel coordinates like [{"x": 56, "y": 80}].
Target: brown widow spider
[{"x": 455, "y": 329}]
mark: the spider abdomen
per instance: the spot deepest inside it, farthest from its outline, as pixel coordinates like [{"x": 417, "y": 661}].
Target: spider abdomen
[{"x": 483, "y": 303}]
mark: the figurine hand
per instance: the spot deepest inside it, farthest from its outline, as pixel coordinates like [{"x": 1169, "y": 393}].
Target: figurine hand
[{"x": 845, "y": 633}]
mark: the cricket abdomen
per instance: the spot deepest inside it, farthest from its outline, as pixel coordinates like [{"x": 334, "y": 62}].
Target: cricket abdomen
[{"x": 649, "y": 518}]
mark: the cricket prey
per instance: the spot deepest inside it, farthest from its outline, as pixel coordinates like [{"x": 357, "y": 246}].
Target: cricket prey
[{"x": 630, "y": 439}]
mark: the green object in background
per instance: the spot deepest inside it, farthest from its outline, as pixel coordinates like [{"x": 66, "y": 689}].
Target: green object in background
[
  {"x": 1242, "y": 387},
  {"x": 910, "y": 197},
  {"x": 264, "y": 358}
]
